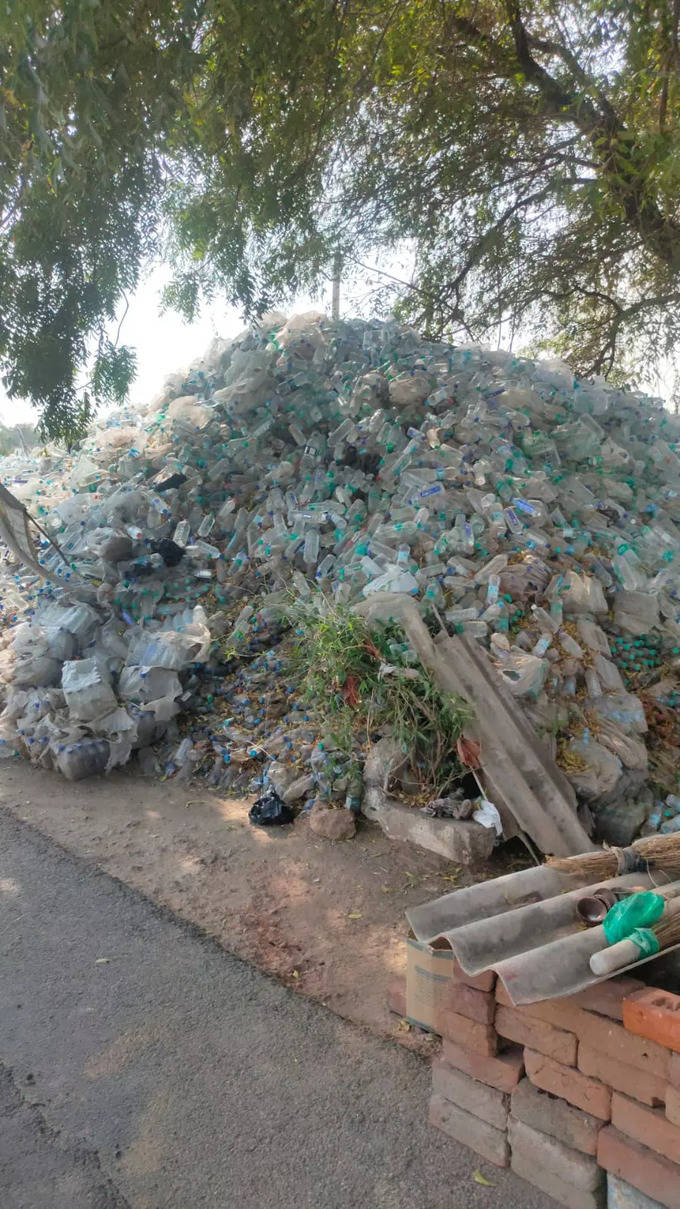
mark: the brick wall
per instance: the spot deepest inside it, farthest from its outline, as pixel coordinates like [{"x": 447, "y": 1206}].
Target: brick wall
[{"x": 579, "y": 1096}]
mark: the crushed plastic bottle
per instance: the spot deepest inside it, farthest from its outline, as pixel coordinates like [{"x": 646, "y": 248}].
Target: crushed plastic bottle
[{"x": 533, "y": 513}]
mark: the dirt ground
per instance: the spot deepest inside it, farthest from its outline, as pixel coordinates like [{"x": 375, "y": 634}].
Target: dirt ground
[{"x": 325, "y": 918}]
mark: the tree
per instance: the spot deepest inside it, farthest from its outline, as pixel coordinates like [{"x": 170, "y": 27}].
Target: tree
[{"x": 525, "y": 152}]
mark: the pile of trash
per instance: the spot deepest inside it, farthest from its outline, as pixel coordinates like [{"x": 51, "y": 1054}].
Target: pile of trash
[{"x": 537, "y": 513}]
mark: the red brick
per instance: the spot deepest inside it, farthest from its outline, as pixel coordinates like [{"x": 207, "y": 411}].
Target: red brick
[
  {"x": 673, "y": 1104},
  {"x": 481, "y": 982},
  {"x": 607, "y": 997},
  {"x": 589, "y": 1094},
  {"x": 482, "y": 1101},
  {"x": 650, "y": 1089},
  {"x": 472, "y": 1034},
  {"x": 491, "y": 1143},
  {"x": 553, "y": 1186},
  {"x": 503, "y": 1072},
  {"x": 396, "y": 996},
  {"x": 646, "y": 1125},
  {"x": 608, "y": 1037},
  {"x": 549, "y": 1154},
  {"x": 551, "y": 1114},
  {"x": 647, "y": 1171},
  {"x": 467, "y": 1001},
  {"x": 560, "y": 1012},
  {"x": 654, "y": 1014},
  {"x": 537, "y": 1034}
]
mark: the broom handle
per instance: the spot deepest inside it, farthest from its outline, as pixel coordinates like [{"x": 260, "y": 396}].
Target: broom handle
[{"x": 625, "y": 952}]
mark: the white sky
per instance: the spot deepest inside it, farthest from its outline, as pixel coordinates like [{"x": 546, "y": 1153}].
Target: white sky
[
  {"x": 163, "y": 343},
  {"x": 167, "y": 343}
]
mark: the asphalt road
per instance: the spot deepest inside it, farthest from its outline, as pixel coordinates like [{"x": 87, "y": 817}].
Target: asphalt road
[{"x": 141, "y": 1067}]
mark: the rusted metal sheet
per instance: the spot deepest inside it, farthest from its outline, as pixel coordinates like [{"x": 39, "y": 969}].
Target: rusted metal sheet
[{"x": 524, "y": 926}]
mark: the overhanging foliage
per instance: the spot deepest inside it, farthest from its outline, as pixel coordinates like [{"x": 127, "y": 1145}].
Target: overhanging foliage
[{"x": 527, "y": 153}]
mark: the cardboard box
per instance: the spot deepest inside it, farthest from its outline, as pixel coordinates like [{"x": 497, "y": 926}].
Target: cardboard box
[{"x": 429, "y": 972}]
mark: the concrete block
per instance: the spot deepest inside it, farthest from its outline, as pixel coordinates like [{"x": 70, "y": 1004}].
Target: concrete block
[
  {"x": 575, "y": 1168},
  {"x": 460, "y": 841},
  {"x": 482, "y": 1101},
  {"x": 555, "y": 1116},
  {"x": 491, "y": 1143},
  {"x": 553, "y": 1186}
]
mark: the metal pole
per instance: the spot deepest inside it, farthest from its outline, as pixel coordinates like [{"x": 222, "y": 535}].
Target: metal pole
[{"x": 337, "y": 270}]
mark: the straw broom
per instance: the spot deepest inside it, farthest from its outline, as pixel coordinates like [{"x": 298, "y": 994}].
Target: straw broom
[
  {"x": 652, "y": 852},
  {"x": 625, "y": 952}
]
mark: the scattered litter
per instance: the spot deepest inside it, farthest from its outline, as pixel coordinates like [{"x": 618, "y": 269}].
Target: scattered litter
[
  {"x": 533, "y": 512},
  {"x": 453, "y": 806},
  {"x": 487, "y": 815}
]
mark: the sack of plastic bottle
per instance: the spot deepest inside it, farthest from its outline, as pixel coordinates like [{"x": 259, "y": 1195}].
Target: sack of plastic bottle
[
  {"x": 636, "y": 612},
  {"x": 625, "y": 709},
  {"x": 164, "y": 649},
  {"x": 87, "y": 692},
  {"x": 86, "y": 758},
  {"x": 630, "y": 750},
  {"x": 593, "y": 771},
  {"x": 148, "y": 684},
  {"x": 582, "y": 594},
  {"x": 523, "y": 579}
]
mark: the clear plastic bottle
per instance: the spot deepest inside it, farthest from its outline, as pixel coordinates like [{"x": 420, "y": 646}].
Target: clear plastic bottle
[{"x": 181, "y": 534}]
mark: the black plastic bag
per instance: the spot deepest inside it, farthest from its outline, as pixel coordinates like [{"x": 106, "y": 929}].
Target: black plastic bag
[
  {"x": 270, "y": 810},
  {"x": 170, "y": 552}
]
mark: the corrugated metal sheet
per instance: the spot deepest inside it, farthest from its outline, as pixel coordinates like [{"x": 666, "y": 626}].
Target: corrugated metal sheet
[{"x": 524, "y": 926}]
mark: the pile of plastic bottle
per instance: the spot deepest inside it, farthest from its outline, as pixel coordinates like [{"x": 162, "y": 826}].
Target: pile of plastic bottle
[{"x": 537, "y": 513}]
